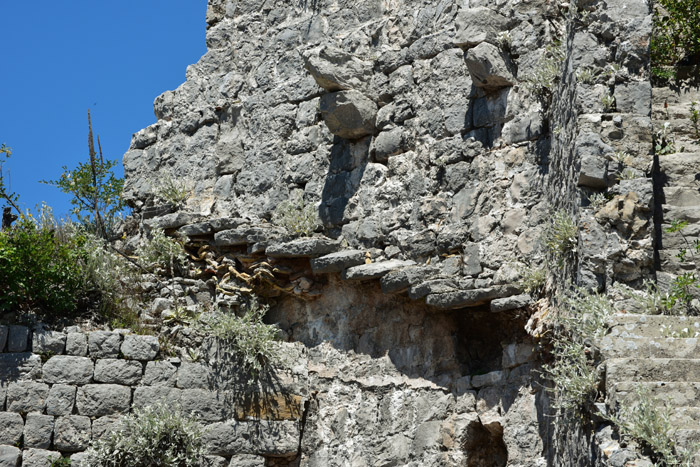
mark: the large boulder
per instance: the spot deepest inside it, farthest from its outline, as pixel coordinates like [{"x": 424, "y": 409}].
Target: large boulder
[
  {"x": 476, "y": 25},
  {"x": 488, "y": 67},
  {"x": 336, "y": 70},
  {"x": 349, "y": 114}
]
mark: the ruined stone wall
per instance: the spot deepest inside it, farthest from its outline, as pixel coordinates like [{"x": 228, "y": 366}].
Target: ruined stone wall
[{"x": 420, "y": 134}]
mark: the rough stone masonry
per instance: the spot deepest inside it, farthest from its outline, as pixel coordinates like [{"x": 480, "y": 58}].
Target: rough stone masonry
[{"x": 424, "y": 136}]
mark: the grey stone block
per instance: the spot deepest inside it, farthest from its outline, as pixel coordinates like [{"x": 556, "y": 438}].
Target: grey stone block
[
  {"x": 140, "y": 347},
  {"x": 348, "y": 114},
  {"x": 39, "y": 457},
  {"x": 18, "y": 339},
  {"x": 27, "y": 396},
  {"x": 38, "y": 430},
  {"x": 511, "y": 303},
  {"x": 214, "y": 461},
  {"x": 247, "y": 460},
  {"x": 4, "y": 331},
  {"x": 488, "y": 67},
  {"x": 10, "y": 456},
  {"x": 489, "y": 379},
  {"x": 336, "y": 262},
  {"x": 48, "y": 342},
  {"x": 115, "y": 371},
  {"x": 104, "y": 425},
  {"x": 207, "y": 406},
  {"x": 72, "y": 433},
  {"x": 98, "y": 400},
  {"x": 61, "y": 400},
  {"x": 76, "y": 344},
  {"x": 104, "y": 344},
  {"x": 374, "y": 270},
  {"x": 265, "y": 438},
  {"x": 194, "y": 376},
  {"x": 149, "y": 395},
  {"x": 78, "y": 460},
  {"x": 67, "y": 369},
  {"x": 160, "y": 374},
  {"x": 303, "y": 248},
  {"x": 16, "y": 366},
  {"x": 11, "y": 428}
]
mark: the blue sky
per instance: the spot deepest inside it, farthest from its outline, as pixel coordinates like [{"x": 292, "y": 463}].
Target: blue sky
[{"x": 60, "y": 59}]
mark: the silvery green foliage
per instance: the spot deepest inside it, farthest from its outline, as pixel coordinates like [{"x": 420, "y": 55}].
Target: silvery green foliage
[
  {"x": 245, "y": 340},
  {"x": 584, "y": 317},
  {"x": 170, "y": 189},
  {"x": 560, "y": 237},
  {"x": 162, "y": 252},
  {"x": 298, "y": 218},
  {"x": 157, "y": 435}
]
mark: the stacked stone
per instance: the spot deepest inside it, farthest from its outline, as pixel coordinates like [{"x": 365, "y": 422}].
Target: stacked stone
[{"x": 60, "y": 390}]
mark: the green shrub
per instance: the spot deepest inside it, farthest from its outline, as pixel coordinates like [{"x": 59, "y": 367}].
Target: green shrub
[
  {"x": 38, "y": 270},
  {"x": 297, "y": 217},
  {"x": 675, "y": 37},
  {"x": 548, "y": 70},
  {"x": 162, "y": 252},
  {"x": 245, "y": 340},
  {"x": 648, "y": 421},
  {"x": 61, "y": 462},
  {"x": 583, "y": 318},
  {"x": 158, "y": 435},
  {"x": 560, "y": 237}
]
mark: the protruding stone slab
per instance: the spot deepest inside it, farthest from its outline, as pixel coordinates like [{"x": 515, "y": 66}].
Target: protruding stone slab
[
  {"x": 200, "y": 228},
  {"x": 469, "y": 298},
  {"x": 68, "y": 370},
  {"x": 172, "y": 221},
  {"x": 402, "y": 279},
  {"x": 140, "y": 347},
  {"x": 349, "y": 114},
  {"x": 311, "y": 247},
  {"x": 374, "y": 270},
  {"x": 243, "y": 236},
  {"x": 488, "y": 67},
  {"x": 511, "y": 303},
  {"x": 336, "y": 262}
]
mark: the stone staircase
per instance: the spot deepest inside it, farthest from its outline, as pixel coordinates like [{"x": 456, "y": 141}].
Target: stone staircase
[{"x": 662, "y": 354}]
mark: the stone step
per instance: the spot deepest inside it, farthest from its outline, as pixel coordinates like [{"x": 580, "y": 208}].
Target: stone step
[
  {"x": 658, "y": 326},
  {"x": 651, "y": 369},
  {"x": 680, "y": 169},
  {"x": 679, "y": 393},
  {"x": 652, "y": 347}
]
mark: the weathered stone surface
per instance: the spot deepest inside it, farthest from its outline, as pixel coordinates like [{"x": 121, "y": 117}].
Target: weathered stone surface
[
  {"x": 104, "y": 425},
  {"x": 172, "y": 221},
  {"x": 160, "y": 373},
  {"x": 76, "y": 344},
  {"x": 200, "y": 228},
  {"x": 476, "y": 25},
  {"x": 488, "y": 67},
  {"x": 104, "y": 344},
  {"x": 194, "y": 376},
  {"x": 336, "y": 262},
  {"x": 10, "y": 456},
  {"x": 374, "y": 270},
  {"x": 594, "y": 166},
  {"x": 488, "y": 379},
  {"x": 349, "y": 114},
  {"x": 98, "y": 400},
  {"x": 39, "y": 457},
  {"x": 516, "y": 354},
  {"x": 67, "y": 369},
  {"x": 11, "y": 428},
  {"x": 467, "y": 298},
  {"x": 336, "y": 70},
  {"x": 18, "y": 338},
  {"x": 207, "y": 406},
  {"x": 511, "y": 303},
  {"x": 38, "y": 430},
  {"x": 61, "y": 400},
  {"x": 72, "y": 433},
  {"x": 149, "y": 395},
  {"x": 48, "y": 342},
  {"x": 260, "y": 437},
  {"x": 401, "y": 280},
  {"x": 27, "y": 396},
  {"x": 303, "y": 248},
  {"x": 389, "y": 143},
  {"x": 247, "y": 460},
  {"x": 140, "y": 347},
  {"x": 117, "y": 371}
]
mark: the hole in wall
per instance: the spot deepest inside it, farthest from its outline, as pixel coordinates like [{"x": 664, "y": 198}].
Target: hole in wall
[{"x": 485, "y": 446}]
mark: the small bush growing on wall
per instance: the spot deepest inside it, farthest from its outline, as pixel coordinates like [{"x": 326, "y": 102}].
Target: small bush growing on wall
[
  {"x": 157, "y": 435},
  {"x": 676, "y": 36},
  {"x": 298, "y": 218},
  {"x": 560, "y": 237}
]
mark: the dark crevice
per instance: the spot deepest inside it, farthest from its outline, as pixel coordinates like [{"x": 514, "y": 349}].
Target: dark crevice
[{"x": 485, "y": 446}]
